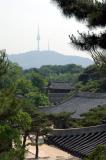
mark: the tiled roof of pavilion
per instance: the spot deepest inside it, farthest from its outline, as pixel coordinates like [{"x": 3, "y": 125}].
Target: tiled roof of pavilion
[
  {"x": 80, "y": 103},
  {"x": 80, "y": 141},
  {"x": 60, "y": 85}
]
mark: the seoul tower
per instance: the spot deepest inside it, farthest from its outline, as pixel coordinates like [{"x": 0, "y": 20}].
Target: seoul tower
[{"x": 38, "y": 40}]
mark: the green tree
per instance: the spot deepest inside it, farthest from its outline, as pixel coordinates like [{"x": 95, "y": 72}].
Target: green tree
[
  {"x": 20, "y": 96},
  {"x": 94, "y": 13},
  {"x": 61, "y": 120},
  {"x": 40, "y": 126},
  {"x": 24, "y": 86},
  {"x": 38, "y": 99},
  {"x": 13, "y": 121},
  {"x": 98, "y": 154},
  {"x": 3, "y": 63},
  {"x": 94, "y": 117},
  {"x": 12, "y": 74},
  {"x": 40, "y": 123},
  {"x": 37, "y": 79},
  {"x": 89, "y": 86},
  {"x": 91, "y": 80},
  {"x": 68, "y": 73}
]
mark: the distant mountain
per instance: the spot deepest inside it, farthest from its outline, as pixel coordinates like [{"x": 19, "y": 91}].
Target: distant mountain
[{"x": 34, "y": 59}]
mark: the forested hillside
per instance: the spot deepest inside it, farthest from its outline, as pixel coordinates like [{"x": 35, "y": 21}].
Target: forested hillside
[
  {"x": 35, "y": 59},
  {"x": 67, "y": 73}
]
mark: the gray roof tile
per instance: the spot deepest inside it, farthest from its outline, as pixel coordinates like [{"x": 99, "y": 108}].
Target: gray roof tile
[{"x": 79, "y": 104}]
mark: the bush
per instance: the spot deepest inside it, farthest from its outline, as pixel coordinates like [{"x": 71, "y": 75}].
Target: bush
[{"x": 98, "y": 154}]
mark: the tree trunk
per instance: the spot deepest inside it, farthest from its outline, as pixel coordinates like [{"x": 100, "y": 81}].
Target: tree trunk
[
  {"x": 37, "y": 147},
  {"x": 24, "y": 140},
  {"x": 24, "y": 144}
]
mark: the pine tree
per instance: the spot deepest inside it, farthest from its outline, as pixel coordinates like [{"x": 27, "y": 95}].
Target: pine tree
[
  {"x": 3, "y": 62},
  {"x": 94, "y": 13},
  {"x": 13, "y": 120}
]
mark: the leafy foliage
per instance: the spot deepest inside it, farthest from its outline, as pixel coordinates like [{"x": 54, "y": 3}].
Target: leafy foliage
[
  {"x": 38, "y": 99},
  {"x": 24, "y": 86},
  {"x": 94, "y": 13},
  {"x": 92, "y": 80},
  {"x": 19, "y": 109},
  {"x": 61, "y": 120},
  {"x": 12, "y": 122},
  {"x": 68, "y": 72},
  {"x": 3, "y": 63},
  {"x": 36, "y": 79},
  {"x": 12, "y": 74},
  {"x": 91, "y": 86},
  {"x": 41, "y": 126},
  {"x": 98, "y": 154},
  {"x": 94, "y": 117},
  {"x": 93, "y": 43}
]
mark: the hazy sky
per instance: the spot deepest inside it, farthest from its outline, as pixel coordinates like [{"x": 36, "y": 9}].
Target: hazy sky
[{"x": 19, "y": 21}]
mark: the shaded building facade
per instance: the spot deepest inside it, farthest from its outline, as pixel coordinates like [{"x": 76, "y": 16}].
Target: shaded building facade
[{"x": 57, "y": 91}]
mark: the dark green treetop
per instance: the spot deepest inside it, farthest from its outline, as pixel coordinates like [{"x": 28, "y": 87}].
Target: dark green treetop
[
  {"x": 3, "y": 63},
  {"x": 93, "y": 13},
  {"x": 98, "y": 154}
]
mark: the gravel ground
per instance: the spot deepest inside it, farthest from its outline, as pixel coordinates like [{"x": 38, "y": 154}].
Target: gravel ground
[{"x": 48, "y": 153}]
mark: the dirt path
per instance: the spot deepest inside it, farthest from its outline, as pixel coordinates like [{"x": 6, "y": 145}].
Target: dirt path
[{"x": 48, "y": 153}]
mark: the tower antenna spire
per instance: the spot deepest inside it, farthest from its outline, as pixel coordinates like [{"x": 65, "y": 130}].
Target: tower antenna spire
[
  {"x": 48, "y": 46},
  {"x": 38, "y": 40}
]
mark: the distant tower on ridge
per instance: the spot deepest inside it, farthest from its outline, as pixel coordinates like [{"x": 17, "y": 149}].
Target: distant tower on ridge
[
  {"x": 48, "y": 46},
  {"x": 38, "y": 40}
]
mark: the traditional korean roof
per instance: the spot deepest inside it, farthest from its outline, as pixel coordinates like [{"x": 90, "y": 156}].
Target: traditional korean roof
[
  {"x": 79, "y": 142},
  {"x": 60, "y": 85},
  {"x": 78, "y": 104}
]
